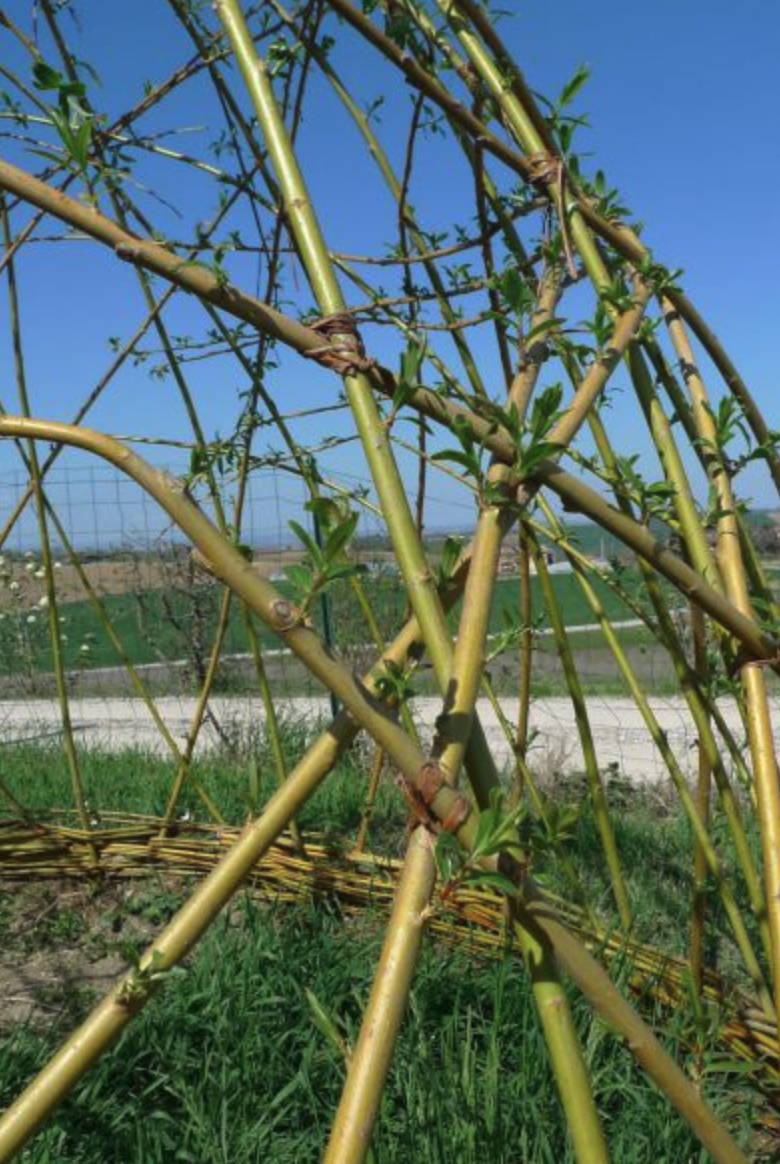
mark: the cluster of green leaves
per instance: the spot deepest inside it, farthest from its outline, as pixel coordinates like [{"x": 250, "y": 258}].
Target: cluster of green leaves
[
  {"x": 497, "y": 835},
  {"x": 564, "y": 125},
  {"x": 729, "y": 423},
  {"x": 514, "y": 291},
  {"x": 550, "y": 832},
  {"x": 653, "y": 500},
  {"x": 73, "y": 124},
  {"x": 395, "y": 684},
  {"x": 660, "y": 278},
  {"x": 326, "y": 557},
  {"x": 408, "y": 377},
  {"x": 533, "y": 438},
  {"x": 606, "y": 199},
  {"x": 530, "y": 437},
  {"x": 469, "y": 456}
]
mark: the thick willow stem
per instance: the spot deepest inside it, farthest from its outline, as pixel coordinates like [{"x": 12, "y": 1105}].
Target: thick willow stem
[
  {"x": 605, "y": 999},
  {"x": 453, "y": 726},
  {"x": 350, "y": 1137}
]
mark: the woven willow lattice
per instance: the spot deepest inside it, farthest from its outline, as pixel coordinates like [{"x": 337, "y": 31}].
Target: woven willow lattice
[{"x": 482, "y": 357}]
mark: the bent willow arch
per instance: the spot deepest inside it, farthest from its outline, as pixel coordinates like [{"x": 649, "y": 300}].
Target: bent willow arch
[{"x": 484, "y": 354}]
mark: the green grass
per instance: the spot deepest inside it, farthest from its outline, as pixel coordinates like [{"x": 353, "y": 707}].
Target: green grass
[{"x": 228, "y": 1065}]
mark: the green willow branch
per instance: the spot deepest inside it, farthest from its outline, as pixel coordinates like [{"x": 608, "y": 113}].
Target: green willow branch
[{"x": 350, "y": 1137}]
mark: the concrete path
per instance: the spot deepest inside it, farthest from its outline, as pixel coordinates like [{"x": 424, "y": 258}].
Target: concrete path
[{"x": 621, "y": 737}]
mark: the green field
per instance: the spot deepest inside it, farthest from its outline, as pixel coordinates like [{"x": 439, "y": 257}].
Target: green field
[{"x": 163, "y": 625}]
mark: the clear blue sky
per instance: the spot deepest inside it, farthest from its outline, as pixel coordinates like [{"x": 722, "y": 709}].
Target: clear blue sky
[{"x": 683, "y": 110}]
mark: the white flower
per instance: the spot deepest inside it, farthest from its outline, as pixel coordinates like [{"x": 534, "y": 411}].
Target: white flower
[
  {"x": 13, "y": 585},
  {"x": 84, "y": 648},
  {"x": 39, "y": 574},
  {"x": 58, "y": 565},
  {"x": 29, "y": 567},
  {"x": 32, "y": 617},
  {"x": 43, "y": 602}
]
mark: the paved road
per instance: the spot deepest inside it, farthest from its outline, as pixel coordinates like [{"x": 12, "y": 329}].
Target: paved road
[{"x": 620, "y": 735}]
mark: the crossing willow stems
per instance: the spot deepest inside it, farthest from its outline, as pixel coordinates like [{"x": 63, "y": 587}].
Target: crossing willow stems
[{"x": 503, "y": 317}]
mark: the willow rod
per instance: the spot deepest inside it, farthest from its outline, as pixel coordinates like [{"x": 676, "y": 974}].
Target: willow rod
[
  {"x": 699, "y": 705},
  {"x": 52, "y": 603},
  {"x": 350, "y": 1137},
  {"x": 698, "y": 823},
  {"x": 566, "y": 1054},
  {"x": 703, "y": 804},
  {"x": 382, "y": 161},
  {"x": 116, "y": 364}
]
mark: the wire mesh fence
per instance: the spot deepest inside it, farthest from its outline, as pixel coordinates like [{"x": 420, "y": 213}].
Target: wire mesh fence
[{"x": 160, "y": 613}]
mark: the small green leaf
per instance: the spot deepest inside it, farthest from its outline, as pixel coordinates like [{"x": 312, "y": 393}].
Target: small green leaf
[
  {"x": 450, "y": 556},
  {"x": 344, "y": 570},
  {"x": 447, "y": 857},
  {"x": 301, "y": 579},
  {"x": 543, "y": 327},
  {"x": 323, "y": 1021},
  {"x": 308, "y": 541},
  {"x": 573, "y": 86},
  {"x": 487, "y": 879},
  {"x": 45, "y": 78},
  {"x": 340, "y": 536}
]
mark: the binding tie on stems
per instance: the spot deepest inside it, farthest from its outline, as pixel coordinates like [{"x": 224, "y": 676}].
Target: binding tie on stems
[
  {"x": 741, "y": 661},
  {"x": 421, "y": 795},
  {"x": 347, "y": 356}
]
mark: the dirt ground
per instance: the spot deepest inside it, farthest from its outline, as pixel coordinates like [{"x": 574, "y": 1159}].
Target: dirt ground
[
  {"x": 119, "y": 575},
  {"x": 127, "y": 573},
  {"x": 65, "y": 943}
]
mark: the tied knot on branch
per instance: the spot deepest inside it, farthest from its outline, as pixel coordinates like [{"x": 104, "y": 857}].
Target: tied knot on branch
[
  {"x": 545, "y": 169},
  {"x": 421, "y": 795},
  {"x": 346, "y": 355},
  {"x": 547, "y": 172},
  {"x": 744, "y": 660}
]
